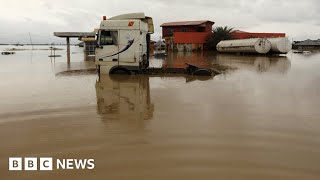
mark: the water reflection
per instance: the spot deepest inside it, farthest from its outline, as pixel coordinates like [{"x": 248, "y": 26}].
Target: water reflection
[
  {"x": 178, "y": 59},
  {"x": 74, "y": 68},
  {"x": 245, "y": 127},
  {"x": 278, "y": 64},
  {"x": 190, "y": 78},
  {"x": 124, "y": 98}
]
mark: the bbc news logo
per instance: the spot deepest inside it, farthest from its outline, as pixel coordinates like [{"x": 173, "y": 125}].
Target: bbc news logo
[{"x": 47, "y": 164}]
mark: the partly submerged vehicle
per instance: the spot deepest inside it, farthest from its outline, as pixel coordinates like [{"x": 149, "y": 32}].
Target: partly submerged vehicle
[
  {"x": 123, "y": 48},
  {"x": 123, "y": 43}
]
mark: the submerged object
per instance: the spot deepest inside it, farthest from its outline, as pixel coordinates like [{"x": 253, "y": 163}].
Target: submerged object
[
  {"x": 197, "y": 71},
  {"x": 297, "y": 51},
  {"x": 306, "y": 52},
  {"x": 7, "y": 53},
  {"x": 53, "y": 49},
  {"x": 255, "y": 45},
  {"x": 280, "y": 45},
  {"x": 190, "y": 69},
  {"x": 54, "y": 56},
  {"x": 301, "y": 52}
]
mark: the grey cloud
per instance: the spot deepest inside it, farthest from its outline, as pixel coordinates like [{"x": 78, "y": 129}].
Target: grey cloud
[
  {"x": 257, "y": 15},
  {"x": 285, "y": 11}
]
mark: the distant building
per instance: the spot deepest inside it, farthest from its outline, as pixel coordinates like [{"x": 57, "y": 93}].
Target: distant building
[
  {"x": 186, "y": 35},
  {"x": 89, "y": 45},
  {"x": 247, "y": 35},
  {"x": 87, "y": 37},
  {"x": 307, "y": 45}
]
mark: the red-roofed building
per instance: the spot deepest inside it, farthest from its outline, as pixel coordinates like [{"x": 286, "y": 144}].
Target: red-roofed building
[
  {"x": 248, "y": 35},
  {"x": 186, "y": 35}
]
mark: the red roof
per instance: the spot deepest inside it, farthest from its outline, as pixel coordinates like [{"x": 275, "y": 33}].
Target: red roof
[
  {"x": 247, "y": 35},
  {"x": 186, "y": 23},
  {"x": 190, "y": 37},
  {"x": 238, "y": 31}
]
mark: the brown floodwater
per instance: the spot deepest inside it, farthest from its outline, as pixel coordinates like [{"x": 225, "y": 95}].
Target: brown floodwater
[{"x": 259, "y": 120}]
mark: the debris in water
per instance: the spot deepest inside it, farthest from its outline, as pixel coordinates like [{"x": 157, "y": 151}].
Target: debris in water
[{"x": 7, "y": 53}]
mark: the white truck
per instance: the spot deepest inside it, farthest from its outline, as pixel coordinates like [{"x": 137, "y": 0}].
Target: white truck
[{"x": 123, "y": 44}]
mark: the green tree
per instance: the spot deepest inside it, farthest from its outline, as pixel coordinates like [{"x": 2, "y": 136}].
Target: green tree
[{"x": 218, "y": 34}]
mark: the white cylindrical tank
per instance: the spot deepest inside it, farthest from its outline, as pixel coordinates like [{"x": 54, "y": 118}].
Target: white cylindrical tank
[
  {"x": 280, "y": 45},
  {"x": 255, "y": 45}
]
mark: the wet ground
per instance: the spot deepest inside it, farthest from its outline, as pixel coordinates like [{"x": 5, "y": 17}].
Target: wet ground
[{"x": 259, "y": 120}]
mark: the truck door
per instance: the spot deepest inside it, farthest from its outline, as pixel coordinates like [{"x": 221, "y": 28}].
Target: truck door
[
  {"x": 129, "y": 46},
  {"x": 108, "y": 46}
]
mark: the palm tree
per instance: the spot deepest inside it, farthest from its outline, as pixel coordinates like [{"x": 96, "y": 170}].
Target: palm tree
[{"x": 219, "y": 34}]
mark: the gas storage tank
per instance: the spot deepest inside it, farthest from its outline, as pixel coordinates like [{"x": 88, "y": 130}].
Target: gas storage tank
[
  {"x": 255, "y": 45},
  {"x": 280, "y": 45}
]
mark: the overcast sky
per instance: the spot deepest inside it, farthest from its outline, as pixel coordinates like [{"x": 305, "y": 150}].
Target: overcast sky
[{"x": 300, "y": 19}]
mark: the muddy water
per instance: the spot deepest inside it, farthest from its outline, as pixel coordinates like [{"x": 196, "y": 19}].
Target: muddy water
[{"x": 258, "y": 121}]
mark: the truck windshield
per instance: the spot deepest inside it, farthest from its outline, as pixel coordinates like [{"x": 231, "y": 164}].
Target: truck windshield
[{"x": 108, "y": 38}]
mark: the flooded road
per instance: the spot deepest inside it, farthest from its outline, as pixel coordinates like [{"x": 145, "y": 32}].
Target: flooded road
[{"x": 259, "y": 120}]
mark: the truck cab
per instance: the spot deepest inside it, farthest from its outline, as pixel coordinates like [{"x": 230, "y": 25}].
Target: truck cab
[{"x": 123, "y": 44}]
